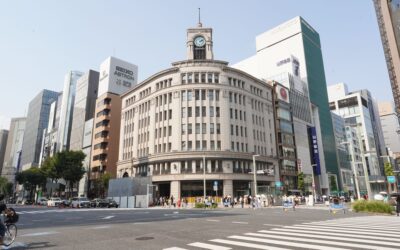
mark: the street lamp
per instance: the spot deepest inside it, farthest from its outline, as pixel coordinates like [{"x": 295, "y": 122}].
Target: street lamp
[
  {"x": 204, "y": 178},
  {"x": 313, "y": 182},
  {"x": 354, "y": 168},
  {"x": 254, "y": 175}
]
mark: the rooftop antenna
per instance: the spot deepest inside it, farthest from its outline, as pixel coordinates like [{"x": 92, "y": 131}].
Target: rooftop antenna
[{"x": 199, "y": 24}]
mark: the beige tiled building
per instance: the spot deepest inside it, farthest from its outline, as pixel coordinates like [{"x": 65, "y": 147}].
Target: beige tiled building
[{"x": 199, "y": 111}]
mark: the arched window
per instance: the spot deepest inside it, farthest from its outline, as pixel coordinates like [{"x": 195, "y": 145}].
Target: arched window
[{"x": 125, "y": 175}]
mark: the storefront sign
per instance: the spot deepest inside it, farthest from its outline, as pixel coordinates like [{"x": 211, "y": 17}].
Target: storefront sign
[{"x": 314, "y": 150}]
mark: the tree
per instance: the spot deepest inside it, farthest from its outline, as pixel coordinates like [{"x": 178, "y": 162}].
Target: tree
[
  {"x": 300, "y": 181},
  {"x": 104, "y": 180},
  {"x": 52, "y": 169},
  {"x": 388, "y": 169},
  {"x": 6, "y": 187},
  {"x": 72, "y": 163},
  {"x": 332, "y": 183},
  {"x": 30, "y": 179}
]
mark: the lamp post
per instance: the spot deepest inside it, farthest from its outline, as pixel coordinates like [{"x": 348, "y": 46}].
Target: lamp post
[
  {"x": 254, "y": 175},
  {"x": 354, "y": 168},
  {"x": 313, "y": 182},
  {"x": 204, "y": 178}
]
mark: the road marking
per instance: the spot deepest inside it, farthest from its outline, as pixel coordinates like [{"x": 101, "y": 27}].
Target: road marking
[
  {"x": 174, "y": 248},
  {"x": 273, "y": 225},
  {"x": 286, "y": 229},
  {"x": 350, "y": 230},
  {"x": 245, "y": 244},
  {"x": 39, "y": 234},
  {"x": 382, "y": 229},
  {"x": 310, "y": 240},
  {"x": 101, "y": 227},
  {"x": 141, "y": 223},
  {"x": 208, "y": 246},
  {"x": 108, "y": 217},
  {"x": 239, "y": 222},
  {"x": 213, "y": 220},
  {"x": 286, "y": 243}
]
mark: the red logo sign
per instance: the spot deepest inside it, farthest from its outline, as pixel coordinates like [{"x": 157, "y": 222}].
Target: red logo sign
[{"x": 283, "y": 93}]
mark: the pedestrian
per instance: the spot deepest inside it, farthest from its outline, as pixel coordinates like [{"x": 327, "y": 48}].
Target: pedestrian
[
  {"x": 398, "y": 205},
  {"x": 172, "y": 200},
  {"x": 249, "y": 201},
  {"x": 242, "y": 201}
]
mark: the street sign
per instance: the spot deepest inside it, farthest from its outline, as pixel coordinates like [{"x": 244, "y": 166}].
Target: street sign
[{"x": 391, "y": 179}]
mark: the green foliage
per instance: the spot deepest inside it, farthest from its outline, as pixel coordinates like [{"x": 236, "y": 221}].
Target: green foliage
[
  {"x": 332, "y": 183},
  {"x": 72, "y": 166},
  {"x": 388, "y": 169},
  {"x": 202, "y": 205},
  {"x": 372, "y": 207},
  {"x": 6, "y": 187},
  {"x": 300, "y": 181},
  {"x": 30, "y": 179}
]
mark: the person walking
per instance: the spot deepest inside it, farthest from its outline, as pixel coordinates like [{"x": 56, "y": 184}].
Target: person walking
[
  {"x": 398, "y": 205},
  {"x": 242, "y": 201}
]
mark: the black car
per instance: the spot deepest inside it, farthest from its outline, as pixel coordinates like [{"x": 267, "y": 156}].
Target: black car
[
  {"x": 112, "y": 203},
  {"x": 99, "y": 203}
]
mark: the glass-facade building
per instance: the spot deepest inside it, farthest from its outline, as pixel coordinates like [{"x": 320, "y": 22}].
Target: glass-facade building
[{"x": 36, "y": 121}]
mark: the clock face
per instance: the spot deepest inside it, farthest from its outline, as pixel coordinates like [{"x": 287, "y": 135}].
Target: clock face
[{"x": 199, "y": 41}]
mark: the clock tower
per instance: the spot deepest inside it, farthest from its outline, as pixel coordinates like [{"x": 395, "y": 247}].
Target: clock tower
[{"x": 199, "y": 43}]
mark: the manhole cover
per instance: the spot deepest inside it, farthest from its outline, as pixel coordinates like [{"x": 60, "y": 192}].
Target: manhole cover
[{"x": 145, "y": 238}]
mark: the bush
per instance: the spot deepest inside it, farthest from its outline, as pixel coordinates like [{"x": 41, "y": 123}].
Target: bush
[
  {"x": 202, "y": 205},
  {"x": 372, "y": 207}
]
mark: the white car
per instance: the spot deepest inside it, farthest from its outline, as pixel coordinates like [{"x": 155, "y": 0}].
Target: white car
[
  {"x": 42, "y": 201},
  {"x": 79, "y": 202},
  {"x": 53, "y": 202}
]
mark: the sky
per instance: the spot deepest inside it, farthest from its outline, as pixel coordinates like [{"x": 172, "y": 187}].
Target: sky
[{"x": 42, "y": 40}]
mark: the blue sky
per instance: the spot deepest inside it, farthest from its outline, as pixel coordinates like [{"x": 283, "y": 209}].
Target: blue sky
[{"x": 41, "y": 40}]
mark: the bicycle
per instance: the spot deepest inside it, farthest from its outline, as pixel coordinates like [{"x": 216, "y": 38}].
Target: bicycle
[{"x": 11, "y": 229}]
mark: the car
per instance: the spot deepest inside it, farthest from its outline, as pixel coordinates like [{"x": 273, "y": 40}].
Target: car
[
  {"x": 112, "y": 203},
  {"x": 64, "y": 203},
  {"x": 53, "y": 202},
  {"x": 79, "y": 202},
  {"x": 42, "y": 201},
  {"x": 99, "y": 203},
  {"x": 27, "y": 202}
]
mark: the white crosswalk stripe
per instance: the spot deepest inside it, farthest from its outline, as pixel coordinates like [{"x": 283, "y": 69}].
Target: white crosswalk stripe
[{"x": 367, "y": 232}]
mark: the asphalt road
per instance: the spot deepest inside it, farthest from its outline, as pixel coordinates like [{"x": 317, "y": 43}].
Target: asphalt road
[{"x": 44, "y": 228}]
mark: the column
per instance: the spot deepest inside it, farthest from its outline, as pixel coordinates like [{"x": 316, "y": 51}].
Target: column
[
  {"x": 228, "y": 188},
  {"x": 175, "y": 190}
]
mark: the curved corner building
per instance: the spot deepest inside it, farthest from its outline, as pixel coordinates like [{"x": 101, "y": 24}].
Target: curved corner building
[{"x": 199, "y": 119}]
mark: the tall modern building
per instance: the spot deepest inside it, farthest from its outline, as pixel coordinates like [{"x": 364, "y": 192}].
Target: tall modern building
[
  {"x": 14, "y": 148},
  {"x": 200, "y": 119},
  {"x": 84, "y": 108},
  {"x": 390, "y": 127},
  {"x": 297, "y": 45},
  {"x": 66, "y": 110},
  {"x": 36, "y": 121},
  {"x": 116, "y": 77},
  {"x": 3, "y": 144},
  {"x": 388, "y": 15},
  {"x": 360, "y": 112}
]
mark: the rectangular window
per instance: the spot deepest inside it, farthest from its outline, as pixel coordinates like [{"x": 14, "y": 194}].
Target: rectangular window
[
  {"x": 197, "y": 111},
  {"x": 203, "y": 77},
  {"x": 189, "y": 113},
  {"x": 183, "y": 129},
  {"x": 232, "y": 146},
  {"x": 209, "y": 78},
  {"x": 183, "y": 93},
  {"x": 170, "y": 98},
  {"x": 216, "y": 78},
  {"x": 189, "y": 129},
  {"x": 217, "y": 95},
  {"x": 231, "y": 112},
  {"x": 197, "y": 128},
  {"x": 218, "y": 128},
  {"x": 169, "y": 130},
  {"x": 236, "y": 114},
  {"x": 203, "y": 94},
  {"x": 189, "y": 145},
  {"x": 231, "y": 129},
  {"x": 189, "y": 95},
  {"x": 197, "y": 95},
  {"x": 183, "y": 145},
  {"x": 204, "y": 146},
  {"x": 211, "y": 128},
  {"x": 198, "y": 145},
  {"x": 211, "y": 111},
  {"x": 189, "y": 78},
  {"x": 183, "y": 79},
  {"x": 211, "y": 95},
  {"x": 204, "y": 128},
  {"x": 217, "y": 111},
  {"x": 170, "y": 114},
  {"x": 212, "y": 145},
  {"x": 203, "y": 111}
]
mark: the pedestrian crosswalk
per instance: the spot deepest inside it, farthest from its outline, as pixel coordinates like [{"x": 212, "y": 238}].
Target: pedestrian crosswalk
[{"x": 365, "y": 232}]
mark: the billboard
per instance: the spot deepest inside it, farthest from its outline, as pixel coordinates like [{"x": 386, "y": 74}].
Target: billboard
[
  {"x": 282, "y": 93},
  {"x": 117, "y": 76},
  {"x": 314, "y": 150}
]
